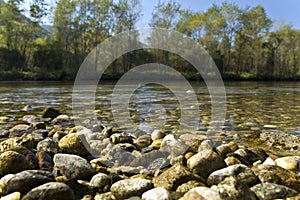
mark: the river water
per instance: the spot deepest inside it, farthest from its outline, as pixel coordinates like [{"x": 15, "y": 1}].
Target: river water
[{"x": 251, "y": 106}]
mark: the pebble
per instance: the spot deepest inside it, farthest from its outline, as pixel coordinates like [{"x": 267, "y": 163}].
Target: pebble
[
  {"x": 27, "y": 180},
  {"x": 101, "y": 182},
  {"x": 288, "y": 162},
  {"x": 173, "y": 177},
  {"x": 73, "y": 166},
  {"x": 12, "y": 196},
  {"x": 12, "y": 162},
  {"x": 73, "y": 144},
  {"x": 278, "y": 175},
  {"x": 158, "y": 193},
  {"x": 157, "y": 134},
  {"x": 231, "y": 188},
  {"x": 269, "y": 191},
  {"x": 269, "y": 161},
  {"x": 52, "y": 190},
  {"x": 130, "y": 187},
  {"x": 201, "y": 193},
  {"x": 239, "y": 171},
  {"x": 205, "y": 162},
  {"x": 19, "y": 130},
  {"x": 50, "y": 113},
  {"x": 48, "y": 145}
]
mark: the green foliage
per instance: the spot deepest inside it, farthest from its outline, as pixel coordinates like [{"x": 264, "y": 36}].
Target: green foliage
[{"x": 239, "y": 40}]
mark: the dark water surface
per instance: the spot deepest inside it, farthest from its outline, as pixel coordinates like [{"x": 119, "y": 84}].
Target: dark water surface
[{"x": 251, "y": 106}]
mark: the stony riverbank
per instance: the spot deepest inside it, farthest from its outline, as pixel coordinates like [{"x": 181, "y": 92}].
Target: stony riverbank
[{"x": 47, "y": 157}]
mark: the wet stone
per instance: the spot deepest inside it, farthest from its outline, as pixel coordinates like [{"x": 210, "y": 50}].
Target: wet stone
[
  {"x": 26, "y": 180},
  {"x": 12, "y": 196},
  {"x": 130, "y": 187},
  {"x": 50, "y": 113},
  {"x": 185, "y": 187},
  {"x": 269, "y": 191},
  {"x": 19, "y": 130},
  {"x": 45, "y": 161},
  {"x": 288, "y": 162},
  {"x": 52, "y": 190}
]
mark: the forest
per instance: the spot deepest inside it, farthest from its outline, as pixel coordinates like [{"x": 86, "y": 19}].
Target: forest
[{"x": 39, "y": 41}]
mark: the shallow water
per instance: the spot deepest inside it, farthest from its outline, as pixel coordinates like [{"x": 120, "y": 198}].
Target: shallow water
[{"x": 251, "y": 106}]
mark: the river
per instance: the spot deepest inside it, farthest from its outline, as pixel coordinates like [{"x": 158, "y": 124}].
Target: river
[{"x": 251, "y": 106}]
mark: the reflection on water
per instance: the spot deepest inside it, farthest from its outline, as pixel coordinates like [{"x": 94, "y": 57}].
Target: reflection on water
[{"x": 251, "y": 106}]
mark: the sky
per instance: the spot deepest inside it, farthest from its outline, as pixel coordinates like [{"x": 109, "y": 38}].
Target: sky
[{"x": 287, "y": 11}]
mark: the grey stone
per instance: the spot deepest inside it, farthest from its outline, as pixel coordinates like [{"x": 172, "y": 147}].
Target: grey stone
[
  {"x": 45, "y": 161},
  {"x": 101, "y": 182},
  {"x": 269, "y": 191},
  {"x": 52, "y": 190},
  {"x": 205, "y": 162},
  {"x": 73, "y": 166},
  {"x": 278, "y": 175},
  {"x": 48, "y": 145},
  {"x": 239, "y": 171},
  {"x": 130, "y": 187},
  {"x": 27, "y": 180},
  {"x": 73, "y": 143},
  {"x": 158, "y": 193},
  {"x": 233, "y": 189}
]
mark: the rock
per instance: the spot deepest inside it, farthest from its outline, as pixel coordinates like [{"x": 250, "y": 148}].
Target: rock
[
  {"x": 152, "y": 160},
  {"x": 288, "y": 162},
  {"x": 73, "y": 166},
  {"x": 104, "y": 196},
  {"x": 52, "y": 190},
  {"x": 27, "y": 108},
  {"x": 239, "y": 171},
  {"x": 45, "y": 161},
  {"x": 269, "y": 161},
  {"x": 50, "y": 113},
  {"x": 269, "y": 191},
  {"x": 281, "y": 140},
  {"x": 12, "y": 196},
  {"x": 19, "y": 130},
  {"x": 30, "y": 119},
  {"x": 61, "y": 119},
  {"x": 206, "y": 145},
  {"x": 173, "y": 146},
  {"x": 12, "y": 162},
  {"x": 205, "y": 162},
  {"x": 201, "y": 193},
  {"x": 278, "y": 175},
  {"x": 4, "y": 180},
  {"x": 73, "y": 143},
  {"x": 121, "y": 138},
  {"x": 130, "y": 187},
  {"x": 26, "y": 180},
  {"x": 29, "y": 156},
  {"x": 157, "y": 134},
  {"x": 101, "y": 182},
  {"x": 48, "y": 145},
  {"x": 185, "y": 187},
  {"x": 173, "y": 177},
  {"x": 143, "y": 141},
  {"x": 225, "y": 149},
  {"x": 10, "y": 143},
  {"x": 230, "y": 160},
  {"x": 248, "y": 157},
  {"x": 38, "y": 125},
  {"x": 233, "y": 189},
  {"x": 158, "y": 193}
]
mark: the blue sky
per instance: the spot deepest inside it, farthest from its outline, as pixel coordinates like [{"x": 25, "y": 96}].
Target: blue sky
[{"x": 287, "y": 11}]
